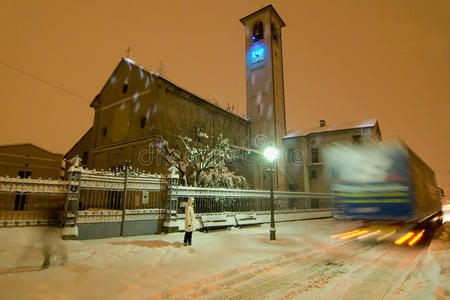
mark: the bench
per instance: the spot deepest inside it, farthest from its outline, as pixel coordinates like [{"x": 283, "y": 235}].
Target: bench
[
  {"x": 215, "y": 221},
  {"x": 248, "y": 219}
]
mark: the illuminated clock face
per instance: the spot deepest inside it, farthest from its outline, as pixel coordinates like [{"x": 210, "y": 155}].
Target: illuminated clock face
[{"x": 257, "y": 55}]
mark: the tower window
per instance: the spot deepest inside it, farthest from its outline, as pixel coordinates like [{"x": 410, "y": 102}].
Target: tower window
[
  {"x": 104, "y": 131},
  {"x": 258, "y": 32}
]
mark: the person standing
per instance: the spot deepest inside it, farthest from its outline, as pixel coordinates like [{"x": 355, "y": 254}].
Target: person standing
[{"x": 189, "y": 218}]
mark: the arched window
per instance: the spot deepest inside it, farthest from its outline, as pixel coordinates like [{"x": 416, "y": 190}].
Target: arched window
[
  {"x": 143, "y": 122},
  {"x": 125, "y": 88},
  {"x": 258, "y": 32}
]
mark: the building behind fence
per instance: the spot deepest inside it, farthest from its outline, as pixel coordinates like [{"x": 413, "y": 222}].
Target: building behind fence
[{"x": 124, "y": 202}]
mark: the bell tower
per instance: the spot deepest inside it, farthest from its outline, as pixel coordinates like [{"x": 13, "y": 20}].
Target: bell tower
[{"x": 265, "y": 84}]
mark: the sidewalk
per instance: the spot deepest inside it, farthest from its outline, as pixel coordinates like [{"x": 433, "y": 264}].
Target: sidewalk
[{"x": 139, "y": 266}]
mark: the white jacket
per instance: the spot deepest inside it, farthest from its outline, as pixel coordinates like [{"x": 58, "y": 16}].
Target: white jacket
[{"x": 189, "y": 217}]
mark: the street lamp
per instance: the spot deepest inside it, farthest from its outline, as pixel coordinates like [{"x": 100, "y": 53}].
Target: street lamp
[{"x": 271, "y": 154}]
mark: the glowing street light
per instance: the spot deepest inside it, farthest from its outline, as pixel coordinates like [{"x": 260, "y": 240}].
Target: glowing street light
[{"x": 271, "y": 154}]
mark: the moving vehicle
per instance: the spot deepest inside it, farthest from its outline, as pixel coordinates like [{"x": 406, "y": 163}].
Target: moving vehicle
[{"x": 385, "y": 183}]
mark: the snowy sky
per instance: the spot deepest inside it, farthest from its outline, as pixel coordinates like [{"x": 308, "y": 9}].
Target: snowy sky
[{"x": 343, "y": 61}]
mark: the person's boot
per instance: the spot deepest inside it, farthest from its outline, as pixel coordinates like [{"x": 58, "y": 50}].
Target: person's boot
[{"x": 185, "y": 243}]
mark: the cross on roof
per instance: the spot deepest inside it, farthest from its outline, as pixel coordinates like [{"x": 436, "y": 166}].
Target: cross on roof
[{"x": 128, "y": 52}]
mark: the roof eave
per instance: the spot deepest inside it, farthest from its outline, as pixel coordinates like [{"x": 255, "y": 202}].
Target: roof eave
[{"x": 270, "y": 7}]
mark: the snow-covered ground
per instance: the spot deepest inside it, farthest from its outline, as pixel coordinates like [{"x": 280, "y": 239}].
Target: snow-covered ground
[{"x": 304, "y": 262}]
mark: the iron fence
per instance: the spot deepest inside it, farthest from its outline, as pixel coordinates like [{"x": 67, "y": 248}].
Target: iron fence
[
  {"x": 31, "y": 201},
  {"x": 101, "y": 196},
  {"x": 212, "y": 200},
  {"x": 97, "y": 199}
]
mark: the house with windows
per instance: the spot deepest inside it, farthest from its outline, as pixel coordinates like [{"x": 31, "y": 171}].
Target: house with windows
[
  {"x": 304, "y": 167},
  {"x": 28, "y": 160}
]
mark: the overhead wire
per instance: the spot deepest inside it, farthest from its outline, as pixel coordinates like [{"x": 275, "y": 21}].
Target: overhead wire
[{"x": 45, "y": 81}]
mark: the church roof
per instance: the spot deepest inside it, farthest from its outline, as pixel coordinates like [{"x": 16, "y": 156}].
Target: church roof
[
  {"x": 332, "y": 127},
  {"x": 157, "y": 75},
  {"x": 85, "y": 136},
  {"x": 268, "y": 7}
]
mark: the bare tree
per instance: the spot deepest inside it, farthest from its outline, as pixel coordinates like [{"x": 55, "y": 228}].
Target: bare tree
[
  {"x": 175, "y": 158},
  {"x": 223, "y": 178},
  {"x": 199, "y": 155},
  {"x": 204, "y": 153}
]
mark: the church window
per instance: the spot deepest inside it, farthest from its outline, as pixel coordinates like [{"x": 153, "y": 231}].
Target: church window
[
  {"x": 84, "y": 161},
  {"x": 125, "y": 88},
  {"x": 104, "y": 131},
  {"x": 143, "y": 122},
  {"x": 258, "y": 32}
]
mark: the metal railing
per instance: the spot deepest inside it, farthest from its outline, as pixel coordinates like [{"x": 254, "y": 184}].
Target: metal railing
[
  {"x": 214, "y": 200},
  {"x": 31, "y": 201},
  {"x": 94, "y": 196},
  {"x": 101, "y": 190}
]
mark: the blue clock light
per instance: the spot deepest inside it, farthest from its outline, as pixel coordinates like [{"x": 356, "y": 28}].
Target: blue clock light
[{"x": 257, "y": 55}]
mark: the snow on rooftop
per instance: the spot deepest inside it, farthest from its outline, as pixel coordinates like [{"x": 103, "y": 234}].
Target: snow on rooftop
[
  {"x": 142, "y": 68},
  {"x": 332, "y": 127},
  {"x": 129, "y": 60}
]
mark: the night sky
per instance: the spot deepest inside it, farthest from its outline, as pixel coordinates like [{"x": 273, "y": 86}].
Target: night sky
[{"x": 343, "y": 61}]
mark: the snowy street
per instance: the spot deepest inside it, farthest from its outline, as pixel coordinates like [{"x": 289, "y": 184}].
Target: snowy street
[{"x": 303, "y": 263}]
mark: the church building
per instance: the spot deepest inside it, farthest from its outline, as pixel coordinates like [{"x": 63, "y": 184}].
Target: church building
[{"x": 137, "y": 108}]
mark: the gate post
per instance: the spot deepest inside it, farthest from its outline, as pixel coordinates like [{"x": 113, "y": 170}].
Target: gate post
[
  {"x": 70, "y": 228},
  {"x": 171, "y": 201},
  {"x": 124, "y": 202}
]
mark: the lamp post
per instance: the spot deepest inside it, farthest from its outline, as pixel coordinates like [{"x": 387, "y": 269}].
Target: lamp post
[{"x": 271, "y": 154}]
